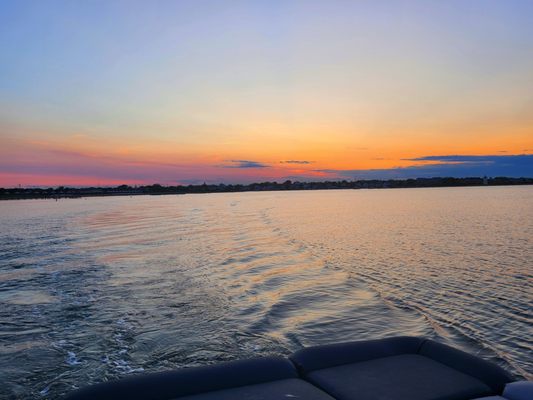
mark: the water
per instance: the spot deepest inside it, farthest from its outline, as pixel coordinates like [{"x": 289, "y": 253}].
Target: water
[{"x": 94, "y": 289}]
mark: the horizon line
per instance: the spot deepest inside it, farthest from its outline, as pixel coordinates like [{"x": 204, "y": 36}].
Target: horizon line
[{"x": 274, "y": 182}]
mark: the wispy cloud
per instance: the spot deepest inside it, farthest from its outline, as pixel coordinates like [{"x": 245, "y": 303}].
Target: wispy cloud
[
  {"x": 245, "y": 164},
  {"x": 296, "y": 162},
  {"x": 519, "y": 165},
  {"x": 473, "y": 158},
  {"x": 43, "y": 164}
]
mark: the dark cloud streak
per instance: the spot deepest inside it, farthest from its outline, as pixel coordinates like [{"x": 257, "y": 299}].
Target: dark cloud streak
[
  {"x": 456, "y": 166},
  {"x": 245, "y": 164},
  {"x": 296, "y": 162}
]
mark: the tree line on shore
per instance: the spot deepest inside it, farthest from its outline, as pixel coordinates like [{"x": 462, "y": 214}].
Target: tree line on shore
[{"x": 157, "y": 189}]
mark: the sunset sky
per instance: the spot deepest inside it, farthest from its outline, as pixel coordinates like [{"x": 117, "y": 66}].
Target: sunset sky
[{"x": 179, "y": 92}]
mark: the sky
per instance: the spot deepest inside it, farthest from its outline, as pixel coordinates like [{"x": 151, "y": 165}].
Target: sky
[{"x": 180, "y": 92}]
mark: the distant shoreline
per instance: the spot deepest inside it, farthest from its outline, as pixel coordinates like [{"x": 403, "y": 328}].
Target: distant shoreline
[{"x": 63, "y": 192}]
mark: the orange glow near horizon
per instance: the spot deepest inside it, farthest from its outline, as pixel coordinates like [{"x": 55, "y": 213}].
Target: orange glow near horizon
[{"x": 80, "y": 155}]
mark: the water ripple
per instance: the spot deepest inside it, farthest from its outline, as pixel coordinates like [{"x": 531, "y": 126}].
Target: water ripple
[{"x": 95, "y": 289}]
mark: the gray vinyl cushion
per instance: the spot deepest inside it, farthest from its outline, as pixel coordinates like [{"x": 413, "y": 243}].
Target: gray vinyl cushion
[
  {"x": 401, "y": 368},
  {"x": 401, "y": 377},
  {"x": 520, "y": 390},
  {"x": 190, "y": 381},
  {"x": 491, "y": 374},
  {"x": 287, "y": 389}
]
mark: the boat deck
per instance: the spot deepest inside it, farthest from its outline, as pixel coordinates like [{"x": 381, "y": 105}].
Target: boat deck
[{"x": 400, "y": 368}]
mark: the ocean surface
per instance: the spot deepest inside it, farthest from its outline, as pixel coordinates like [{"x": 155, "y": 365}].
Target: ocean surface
[{"x": 94, "y": 289}]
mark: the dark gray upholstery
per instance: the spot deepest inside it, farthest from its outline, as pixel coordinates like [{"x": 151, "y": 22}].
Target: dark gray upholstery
[
  {"x": 331, "y": 355},
  {"x": 491, "y": 374},
  {"x": 402, "y": 368},
  {"x": 287, "y": 389},
  {"x": 398, "y": 368},
  {"x": 186, "y": 382},
  {"x": 406, "y": 376},
  {"x": 521, "y": 390}
]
